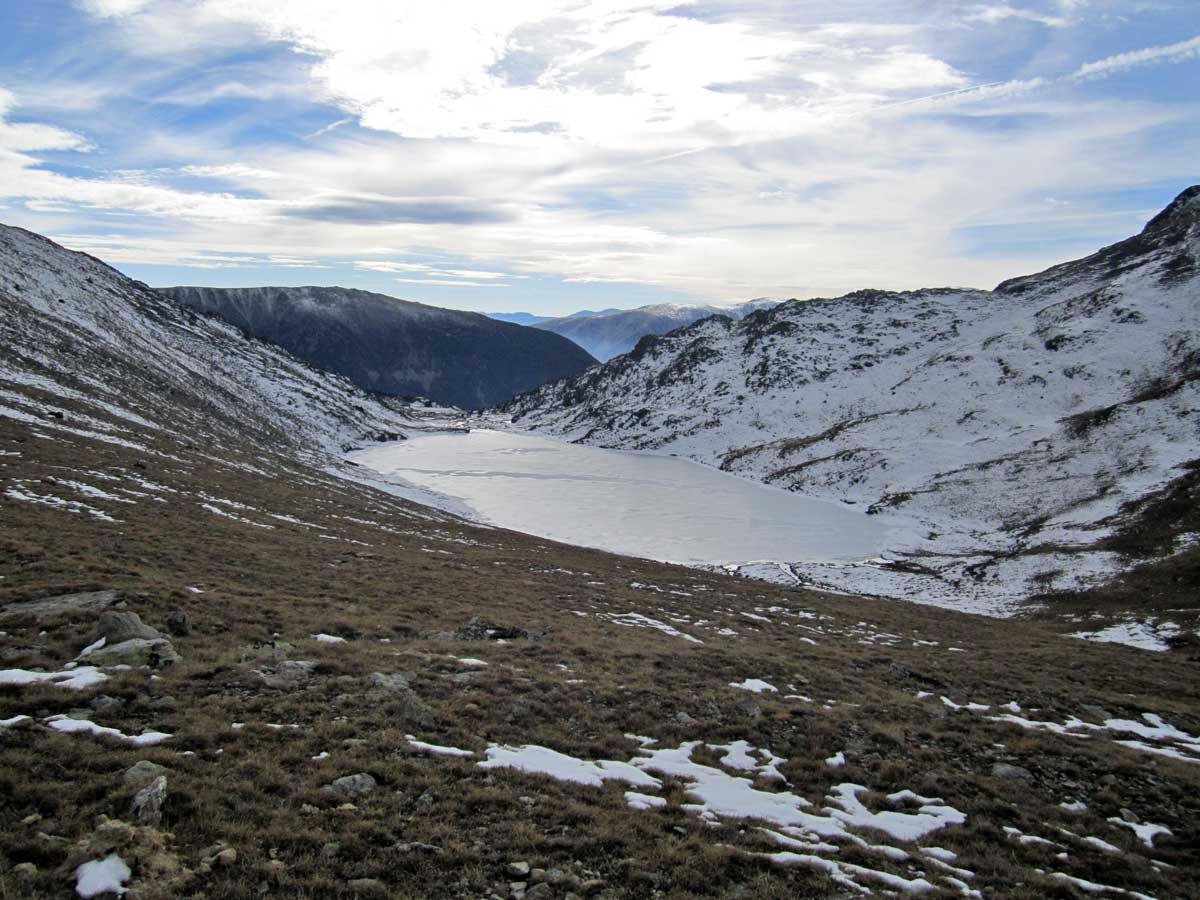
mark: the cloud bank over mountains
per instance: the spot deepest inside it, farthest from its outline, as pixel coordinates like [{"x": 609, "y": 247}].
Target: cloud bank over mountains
[{"x": 584, "y": 149}]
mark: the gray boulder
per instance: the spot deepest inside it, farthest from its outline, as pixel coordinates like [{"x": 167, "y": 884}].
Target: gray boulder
[
  {"x": 157, "y": 654},
  {"x": 48, "y": 607},
  {"x": 118, "y": 626},
  {"x": 1008, "y": 772},
  {"x": 146, "y": 808},
  {"x": 354, "y": 785},
  {"x": 391, "y": 682},
  {"x": 143, "y": 771},
  {"x": 288, "y": 673}
]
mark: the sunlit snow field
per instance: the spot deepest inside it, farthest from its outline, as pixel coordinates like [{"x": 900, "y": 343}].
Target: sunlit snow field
[{"x": 637, "y": 504}]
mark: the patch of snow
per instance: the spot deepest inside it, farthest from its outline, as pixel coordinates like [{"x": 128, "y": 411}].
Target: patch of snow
[
  {"x": 102, "y": 876},
  {"x": 83, "y": 726},
  {"x": 435, "y": 748},
  {"x": 755, "y": 686},
  {"x": 79, "y": 678}
]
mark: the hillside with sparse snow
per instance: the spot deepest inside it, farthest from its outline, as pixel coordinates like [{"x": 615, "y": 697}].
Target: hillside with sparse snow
[
  {"x": 75, "y": 329},
  {"x": 1014, "y": 430}
]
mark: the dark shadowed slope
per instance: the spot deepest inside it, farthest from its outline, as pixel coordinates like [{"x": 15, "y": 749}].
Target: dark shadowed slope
[{"x": 394, "y": 346}]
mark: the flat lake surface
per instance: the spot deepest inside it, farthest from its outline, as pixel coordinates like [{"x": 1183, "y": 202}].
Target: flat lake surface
[{"x": 658, "y": 507}]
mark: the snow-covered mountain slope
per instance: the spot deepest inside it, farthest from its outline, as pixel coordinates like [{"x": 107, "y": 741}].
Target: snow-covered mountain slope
[
  {"x": 1015, "y": 430},
  {"x": 395, "y": 346},
  {"x": 612, "y": 332},
  {"x": 74, "y": 330}
]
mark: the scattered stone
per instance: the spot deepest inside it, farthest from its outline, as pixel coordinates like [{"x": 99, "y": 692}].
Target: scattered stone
[
  {"x": 410, "y": 709},
  {"x": 226, "y": 857},
  {"x": 143, "y": 771},
  {"x": 1008, "y": 772},
  {"x": 479, "y": 630},
  {"x": 330, "y": 849},
  {"x": 539, "y": 891},
  {"x": 146, "y": 808},
  {"x": 117, "y": 626},
  {"x": 288, "y": 673},
  {"x": 369, "y": 887},
  {"x": 106, "y": 702},
  {"x": 49, "y": 607},
  {"x": 32, "y": 819},
  {"x": 392, "y": 682},
  {"x": 25, "y": 870},
  {"x": 357, "y": 785},
  {"x": 684, "y": 719},
  {"x": 275, "y": 868},
  {"x": 1130, "y": 816},
  {"x": 157, "y": 654},
  {"x": 414, "y": 846},
  {"x": 593, "y": 886},
  {"x": 178, "y": 624},
  {"x": 517, "y": 869}
]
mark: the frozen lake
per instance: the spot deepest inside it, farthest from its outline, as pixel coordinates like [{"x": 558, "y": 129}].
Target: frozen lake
[{"x": 657, "y": 507}]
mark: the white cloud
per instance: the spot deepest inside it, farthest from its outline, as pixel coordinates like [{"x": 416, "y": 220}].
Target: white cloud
[{"x": 1110, "y": 65}]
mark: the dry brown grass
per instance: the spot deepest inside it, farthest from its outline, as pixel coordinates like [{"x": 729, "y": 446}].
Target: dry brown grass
[{"x": 259, "y": 791}]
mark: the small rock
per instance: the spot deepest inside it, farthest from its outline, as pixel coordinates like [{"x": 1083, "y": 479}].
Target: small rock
[
  {"x": 25, "y": 870},
  {"x": 392, "y": 682},
  {"x": 414, "y": 846},
  {"x": 330, "y": 849},
  {"x": 370, "y": 887},
  {"x": 593, "y": 886},
  {"x": 517, "y": 869},
  {"x": 288, "y": 673},
  {"x": 146, "y": 808},
  {"x": 354, "y": 785},
  {"x": 537, "y": 876},
  {"x": 684, "y": 719},
  {"x": 106, "y": 702},
  {"x": 275, "y": 868},
  {"x": 178, "y": 624},
  {"x": 1130, "y": 816},
  {"x": 143, "y": 771},
  {"x": 32, "y": 819},
  {"x": 1011, "y": 773},
  {"x": 226, "y": 857},
  {"x": 539, "y": 891}
]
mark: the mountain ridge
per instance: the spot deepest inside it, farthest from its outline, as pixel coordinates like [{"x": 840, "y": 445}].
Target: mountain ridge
[
  {"x": 957, "y": 408},
  {"x": 391, "y": 346}
]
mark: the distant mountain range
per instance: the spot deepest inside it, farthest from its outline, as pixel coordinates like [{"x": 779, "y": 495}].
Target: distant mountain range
[
  {"x": 393, "y": 346},
  {"x": 610, "y": 332},
  {"x": 1023, "y": 434}
]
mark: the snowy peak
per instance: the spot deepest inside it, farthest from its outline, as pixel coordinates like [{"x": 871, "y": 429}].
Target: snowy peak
[
  {"x": 988, "y": 425},
  {"x": 1169, "y": 244}
]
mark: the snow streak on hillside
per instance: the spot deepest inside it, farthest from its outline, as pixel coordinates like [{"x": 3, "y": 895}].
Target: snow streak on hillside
[
  {"x": 72, "y": 328},
  {"x": 1017, "y": 427}
]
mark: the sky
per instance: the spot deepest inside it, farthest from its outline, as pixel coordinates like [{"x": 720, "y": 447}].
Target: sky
[{"x": 553, "y": 155}]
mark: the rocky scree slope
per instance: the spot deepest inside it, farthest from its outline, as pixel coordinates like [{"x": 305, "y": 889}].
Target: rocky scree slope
[
  {"x": 1008, "y": 432},
  {"x": 394, "y": 346},
  {"x": 613, "y": 332},
  {"x": 74, "y": 329}
]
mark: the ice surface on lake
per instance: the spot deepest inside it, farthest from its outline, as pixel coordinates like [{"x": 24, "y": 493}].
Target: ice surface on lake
[{"x": 652, "y": 506}]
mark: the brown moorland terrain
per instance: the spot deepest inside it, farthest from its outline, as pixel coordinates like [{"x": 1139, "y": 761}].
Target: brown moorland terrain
[{"x": 402, "y": 585}]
